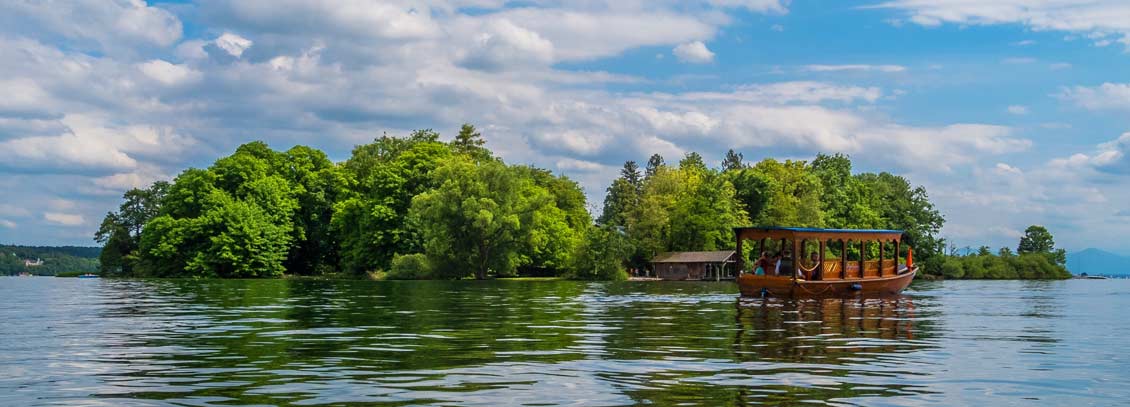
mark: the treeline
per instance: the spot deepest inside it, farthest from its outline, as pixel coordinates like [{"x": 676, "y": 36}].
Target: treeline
[
  {"x": 690, "y": 206},
  {"x": 413, "y": 207},
  {"x": 1035, "y": 258},
  {"x": 55, "y": 260}
]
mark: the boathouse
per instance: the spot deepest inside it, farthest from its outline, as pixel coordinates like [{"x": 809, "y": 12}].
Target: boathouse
[{"x": 716, "y": 265}]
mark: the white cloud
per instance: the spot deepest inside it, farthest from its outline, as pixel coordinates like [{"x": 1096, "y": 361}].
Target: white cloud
[
  {"x": 233, "y": 44},
  {"x": 4, "y": 223},
  {"x": 63, "y": 153},
  {"x": 1008, "y": 169},
  {"x": 168, "y": 73},
  {"x": 64, "y": 219},
  {"x": 105, "y": 25},
  {"x": 1059, "y": 66},
  {"x": 856, "y": 67},
  {"x": 1108, "y": 96},
  {"x": 1110, "y": 158},
  {"x": 693, "y": 52},
  {"x": 1017, "y": 110},
  {"x": 503, "y": 44},
  {"x": 1103, "y": 21}
]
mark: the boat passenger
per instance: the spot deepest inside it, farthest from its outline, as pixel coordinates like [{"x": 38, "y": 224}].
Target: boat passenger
[
  {"x": 776, "y": 260},
  {"x": 785, "y": 265},
  {"x": 763, "y": 264}
]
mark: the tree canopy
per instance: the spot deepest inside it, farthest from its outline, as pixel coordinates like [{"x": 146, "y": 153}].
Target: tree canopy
[{"x": 420, "y": 207}]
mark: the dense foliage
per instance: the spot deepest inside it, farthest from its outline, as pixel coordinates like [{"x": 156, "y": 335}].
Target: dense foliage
[
  {"x": 1036, "y": 258},
  {"x": 48, "y": 261},
  {"x": 693, "y": 207},
  {"x": 417, "y": 207}
]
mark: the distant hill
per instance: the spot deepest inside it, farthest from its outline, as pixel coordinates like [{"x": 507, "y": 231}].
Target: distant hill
[
  {"x": 48, "y": 260},
  {"x": 1095, "y": 261}
]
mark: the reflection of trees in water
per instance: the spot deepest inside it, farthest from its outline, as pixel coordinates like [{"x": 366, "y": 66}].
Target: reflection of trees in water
[{"x": 829, "y": 330}]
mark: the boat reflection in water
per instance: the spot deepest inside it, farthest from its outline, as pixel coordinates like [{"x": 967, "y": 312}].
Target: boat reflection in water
[
  {"x": 827, "y": 329},
  {"x": 836, "y": 349}
]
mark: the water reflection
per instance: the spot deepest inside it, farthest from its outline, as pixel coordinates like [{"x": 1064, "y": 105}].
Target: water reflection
[{"x": 286, "y": 342}]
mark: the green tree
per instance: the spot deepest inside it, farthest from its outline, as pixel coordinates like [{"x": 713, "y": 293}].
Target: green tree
[
  {"x": 235, "y": 219},
  {"x": 623, "y": 196},
  {"x": 1037, "y": 239},
  {"x": 478, "y": 218},
  {"x": 653, "y": 165},
  {"x": 470, "y": 142},
  {"x": 370, "y": 220},
  {"x": 601, "y": 255},
  {"x": 631, "y": 174},
  {"x": 846, "y": 201},
  {"x": 793, "y": 194},
  {"x": 120, "y": 232},
  {"x": 732, "y": 161}
]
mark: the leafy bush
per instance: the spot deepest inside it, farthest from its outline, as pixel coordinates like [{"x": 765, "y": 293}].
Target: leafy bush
[
  {"x": 410, "y": 267},
  {"x": 599, "y": 256}
]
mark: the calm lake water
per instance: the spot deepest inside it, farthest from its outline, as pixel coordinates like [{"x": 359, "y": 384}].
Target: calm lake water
[{"x": 77, "y": 342}]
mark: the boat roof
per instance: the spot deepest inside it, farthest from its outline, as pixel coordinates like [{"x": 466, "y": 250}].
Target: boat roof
[
  {"x": 720, "y": 256},
  {"x": 820, "y": 230},
  {"x": 779, "y": 232}
]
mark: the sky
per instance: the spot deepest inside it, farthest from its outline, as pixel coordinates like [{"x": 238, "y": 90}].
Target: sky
[{"x": 1010, "y": 114}]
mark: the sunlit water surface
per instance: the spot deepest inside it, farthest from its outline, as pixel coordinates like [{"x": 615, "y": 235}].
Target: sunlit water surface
[{"x": 75, "y": 342}]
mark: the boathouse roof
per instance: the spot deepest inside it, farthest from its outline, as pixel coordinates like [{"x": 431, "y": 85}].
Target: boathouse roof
[{"x": 720, "y": 256}]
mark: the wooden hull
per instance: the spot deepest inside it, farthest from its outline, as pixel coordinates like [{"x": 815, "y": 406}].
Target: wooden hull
[{"x": 776, "y": 286}]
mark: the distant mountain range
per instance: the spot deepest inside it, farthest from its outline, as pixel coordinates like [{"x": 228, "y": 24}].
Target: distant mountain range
[{"x": 1095, "y": 261}]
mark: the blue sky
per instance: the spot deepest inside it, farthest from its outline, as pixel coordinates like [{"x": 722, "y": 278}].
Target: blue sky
[{"x": 1011, "y": 113}]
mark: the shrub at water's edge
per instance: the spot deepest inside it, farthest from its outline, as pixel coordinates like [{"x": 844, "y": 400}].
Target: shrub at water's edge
[
  {"x": 416, "y": 207},
  {"x": 1036, "y": 258}
]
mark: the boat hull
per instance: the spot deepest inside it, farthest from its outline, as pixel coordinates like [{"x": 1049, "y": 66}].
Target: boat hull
[{"x": 774, "y": 286}]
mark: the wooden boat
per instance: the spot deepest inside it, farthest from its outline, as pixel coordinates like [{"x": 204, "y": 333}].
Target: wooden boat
[{"x": 816, "y": 275}]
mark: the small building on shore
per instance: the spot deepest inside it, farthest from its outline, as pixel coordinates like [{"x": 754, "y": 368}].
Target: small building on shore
[{"x": 715, "y": 265}]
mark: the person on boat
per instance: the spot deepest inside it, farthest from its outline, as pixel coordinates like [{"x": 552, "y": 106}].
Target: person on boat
[
  {"x": 763, "y": 264},
  {"x": 785, "y": 265}
]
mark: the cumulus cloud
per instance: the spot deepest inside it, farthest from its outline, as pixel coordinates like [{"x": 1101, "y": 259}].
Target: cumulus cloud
[
  {"x": 1018, "y": 110},
  {"x": 1112, "y": 158},
  {"x": 503, "y": 44},
  {"x": 63, "y": 153},
  {"x": 693, "y": 52},
  {"x": 100, "y": 25},
  {"x": 168, "y": 73},
  {"x": 1108, "y": 96},
  {"x": 4, "y": 223},
  {"x": 233, "y": 44}
]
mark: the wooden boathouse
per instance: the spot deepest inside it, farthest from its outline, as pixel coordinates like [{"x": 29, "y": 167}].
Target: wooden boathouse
[{"x": 716, "y": 265}]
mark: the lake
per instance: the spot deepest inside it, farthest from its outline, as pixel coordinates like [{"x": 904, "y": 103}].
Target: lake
[{"x": 91, "y": 342}]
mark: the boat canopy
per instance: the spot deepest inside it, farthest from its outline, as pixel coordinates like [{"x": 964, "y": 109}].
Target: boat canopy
[{"x": 773, "y": 232}]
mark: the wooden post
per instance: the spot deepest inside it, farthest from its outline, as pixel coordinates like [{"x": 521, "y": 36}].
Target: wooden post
[
  {"x": 882, "y": 245},
  {"x": 896, "y": 256},
  {"x": 820, "y": 258},
  {"x": 741, "y": 255},
  {"x": 862, "y": 258},
  {"x": 843, "y": 258},
  {"x": 796, "y": 258}
]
